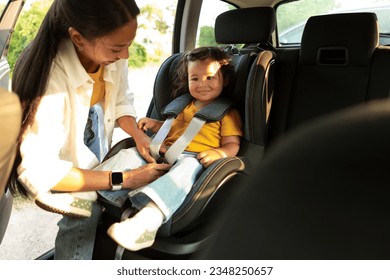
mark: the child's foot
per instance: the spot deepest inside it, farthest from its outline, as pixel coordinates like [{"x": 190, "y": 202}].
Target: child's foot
[
  {"x": 139, "y": 231},
  {"x": 65, "y": 204}
]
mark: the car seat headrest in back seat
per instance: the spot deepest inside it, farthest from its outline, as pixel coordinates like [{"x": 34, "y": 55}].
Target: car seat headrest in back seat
[
  {"x": 245, "y": 26},
  {"x": 339, "y": 39}
]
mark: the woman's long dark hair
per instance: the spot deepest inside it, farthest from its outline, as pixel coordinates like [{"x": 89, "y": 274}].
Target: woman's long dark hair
[
  {"x": 216, "y": 54},
  {"x": 92, "y": 19}
]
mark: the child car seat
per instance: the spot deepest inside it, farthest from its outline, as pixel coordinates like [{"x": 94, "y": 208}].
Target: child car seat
[{"x": 186, "y": 232}]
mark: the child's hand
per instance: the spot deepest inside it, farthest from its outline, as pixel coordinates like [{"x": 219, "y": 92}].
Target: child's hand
[
  {"x": 143, "y": 124},
  {"x": 206, "y": 158},
  {"x": 149, "y": 124}
]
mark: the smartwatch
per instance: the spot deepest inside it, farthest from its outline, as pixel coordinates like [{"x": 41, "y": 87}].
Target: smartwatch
[{"x": 116, "y": 181}]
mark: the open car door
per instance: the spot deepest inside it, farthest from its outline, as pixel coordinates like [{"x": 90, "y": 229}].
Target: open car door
[{"x": 10, "y": 110}]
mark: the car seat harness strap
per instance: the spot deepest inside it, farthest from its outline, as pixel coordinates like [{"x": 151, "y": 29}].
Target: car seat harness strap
[{"x": 209, "y": 113}]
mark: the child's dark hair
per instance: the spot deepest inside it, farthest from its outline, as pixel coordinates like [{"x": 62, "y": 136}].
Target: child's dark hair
[{"x": 217, "y": 54}]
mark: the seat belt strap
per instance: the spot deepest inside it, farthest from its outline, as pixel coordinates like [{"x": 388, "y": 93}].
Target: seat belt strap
[
  {"x": 119, "y": 249},
  {"x": 184, "y": 140},
  {"x": 159, "y": 138}
]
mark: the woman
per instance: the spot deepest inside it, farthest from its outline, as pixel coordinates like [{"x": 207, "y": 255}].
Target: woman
[{"x": 72, "y": 83}]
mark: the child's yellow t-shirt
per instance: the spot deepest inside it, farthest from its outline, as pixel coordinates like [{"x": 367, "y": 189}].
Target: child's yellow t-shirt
[{"x": 210, "y": 135}]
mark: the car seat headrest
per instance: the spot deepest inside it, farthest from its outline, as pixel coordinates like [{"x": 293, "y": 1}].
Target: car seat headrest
[
  {"x": 245, "y": 26},
  {"x": 339, "y": 39}
]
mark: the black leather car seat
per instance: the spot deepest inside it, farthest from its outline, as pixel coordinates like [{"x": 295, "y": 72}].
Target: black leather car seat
[
  {"x": 321, "y": 193},
  {"x": 255, "y": 67},
  {"x": 331, "y": 71}
]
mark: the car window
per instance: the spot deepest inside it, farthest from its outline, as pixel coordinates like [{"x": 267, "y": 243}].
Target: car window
[
  {"x": 209, "y": 12},
  {"x": 153, "y": 44},
  {"x": 3, "y": 4},
  {"x": 292, "y": 16}
]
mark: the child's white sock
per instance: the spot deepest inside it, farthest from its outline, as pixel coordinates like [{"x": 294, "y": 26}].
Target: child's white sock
[{"x": 139, "y": 231}]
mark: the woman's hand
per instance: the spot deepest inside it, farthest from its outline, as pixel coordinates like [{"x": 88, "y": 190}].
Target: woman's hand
[
  {"x": 143, "y": 147},
  {"x": 143, "y": 175},
  {"x": 129, "y": 125}
]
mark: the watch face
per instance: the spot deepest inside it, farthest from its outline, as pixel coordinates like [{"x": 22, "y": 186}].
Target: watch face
[{"x": 116, "y": 178}]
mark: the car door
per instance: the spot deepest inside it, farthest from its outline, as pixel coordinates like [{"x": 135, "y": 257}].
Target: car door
[{"x": 10, "y": 108}]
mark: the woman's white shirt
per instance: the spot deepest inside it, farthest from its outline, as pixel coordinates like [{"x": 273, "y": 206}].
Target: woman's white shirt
[{"x": 55, "y": 141}]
